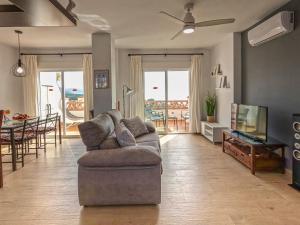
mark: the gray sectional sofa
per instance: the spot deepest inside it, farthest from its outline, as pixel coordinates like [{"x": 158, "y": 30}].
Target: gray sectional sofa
[{"x": 112, "y": 175}]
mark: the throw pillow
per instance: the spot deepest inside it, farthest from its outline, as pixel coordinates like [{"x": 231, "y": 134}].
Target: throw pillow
[
  {"x": 136, "y": 126},
  {"x": 115, "y": 115},
  {"x": 110, "y": 142},
  {"x": 150, "y": 126},
  {"x": 124, "y": 136}
]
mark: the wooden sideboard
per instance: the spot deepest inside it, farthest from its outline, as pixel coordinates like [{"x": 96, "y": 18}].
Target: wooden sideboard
[{"x": 254, "y": 154}]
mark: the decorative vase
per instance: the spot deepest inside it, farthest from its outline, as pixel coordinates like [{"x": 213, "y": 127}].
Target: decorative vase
[{"x": 211, "y": 119}]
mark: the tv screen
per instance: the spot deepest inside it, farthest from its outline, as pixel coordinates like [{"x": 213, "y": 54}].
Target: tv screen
[{"x": 250, "y": 120}]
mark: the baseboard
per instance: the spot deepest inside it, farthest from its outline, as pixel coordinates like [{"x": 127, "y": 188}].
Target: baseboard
[
  {"x": 295, "y": 187},
  {"x": 290, "y": 174}
]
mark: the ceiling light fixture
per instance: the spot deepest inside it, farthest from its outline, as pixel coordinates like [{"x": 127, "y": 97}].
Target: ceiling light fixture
[
  {"x": 189, "y": 30},
  {"x": 188, "y": 22},
  {"x": 18, "y": 69}
]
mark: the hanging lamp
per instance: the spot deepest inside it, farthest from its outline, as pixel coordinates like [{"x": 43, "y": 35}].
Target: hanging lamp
[{"x": 19, "y": 69}]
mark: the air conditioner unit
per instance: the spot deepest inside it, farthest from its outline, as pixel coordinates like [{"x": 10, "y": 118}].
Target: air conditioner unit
[{"x": 278, "y": 25}]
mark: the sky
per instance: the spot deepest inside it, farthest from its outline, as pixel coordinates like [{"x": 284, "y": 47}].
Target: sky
[{"x": 178, "y": 85}]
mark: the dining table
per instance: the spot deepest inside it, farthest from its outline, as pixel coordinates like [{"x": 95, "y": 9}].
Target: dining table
[{"x": 10, "y": 126}]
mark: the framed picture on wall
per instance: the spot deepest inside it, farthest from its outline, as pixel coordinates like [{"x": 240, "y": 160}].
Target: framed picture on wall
[{"x": 101, "y": 79}]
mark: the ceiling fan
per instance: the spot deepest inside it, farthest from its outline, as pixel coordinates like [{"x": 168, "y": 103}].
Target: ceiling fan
[{"x": 189, "y": 24}]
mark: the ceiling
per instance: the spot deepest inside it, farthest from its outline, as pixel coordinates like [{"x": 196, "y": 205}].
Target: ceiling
[{"x": 138, "y": 24}]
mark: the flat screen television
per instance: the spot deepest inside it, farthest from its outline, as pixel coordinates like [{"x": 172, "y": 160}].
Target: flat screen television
[{"x": 252, "y": 121}]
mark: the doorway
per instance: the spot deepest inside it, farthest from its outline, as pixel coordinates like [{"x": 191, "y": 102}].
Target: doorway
[
  {"x": 167, "y": 100},
  {"x": 62, "y": 92}
]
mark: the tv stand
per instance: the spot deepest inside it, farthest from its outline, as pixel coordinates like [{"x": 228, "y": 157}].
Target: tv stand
[{"x": 255, "y": 155}]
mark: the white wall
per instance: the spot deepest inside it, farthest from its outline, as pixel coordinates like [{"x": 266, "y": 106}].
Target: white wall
[
  {"x": 159, "y": 62},
  {"x": 11, "y": 92},
  {"x": 227, "y": 53}
]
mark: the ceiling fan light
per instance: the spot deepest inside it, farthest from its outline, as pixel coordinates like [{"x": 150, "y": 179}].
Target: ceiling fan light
[{"x": 189, "y": 30}]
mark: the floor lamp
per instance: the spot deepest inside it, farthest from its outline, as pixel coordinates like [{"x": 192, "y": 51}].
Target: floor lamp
[{"x": 126, "y": 92}]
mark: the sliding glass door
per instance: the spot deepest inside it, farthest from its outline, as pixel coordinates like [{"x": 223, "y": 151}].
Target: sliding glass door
[
  {"x": 62, "y": 92},
  {"x": 166, "y": 100},
  {"x": 178, "y": 101},
  {"x": 73, "y": 101},
  {"x": 155, "y": 99}
]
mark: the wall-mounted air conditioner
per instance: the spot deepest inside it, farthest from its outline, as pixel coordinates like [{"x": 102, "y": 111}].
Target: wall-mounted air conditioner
[{"x": 278, "y": 25}]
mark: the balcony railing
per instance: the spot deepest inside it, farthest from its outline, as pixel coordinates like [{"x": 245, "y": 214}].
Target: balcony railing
[
  {"x": 178, "y": 114},
  {"x": 161, "y": 105}
]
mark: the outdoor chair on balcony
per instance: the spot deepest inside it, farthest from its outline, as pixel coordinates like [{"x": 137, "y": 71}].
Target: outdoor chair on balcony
[
  {"x": 155, "y": 117},
  {"x": 173, "y": 117},
  {"x": 185, "y": 117}
]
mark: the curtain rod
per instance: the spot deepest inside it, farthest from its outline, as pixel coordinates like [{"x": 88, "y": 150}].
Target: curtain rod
[
  {"x": 166, "y": 54},
  {"x": 60, "y": 54}
]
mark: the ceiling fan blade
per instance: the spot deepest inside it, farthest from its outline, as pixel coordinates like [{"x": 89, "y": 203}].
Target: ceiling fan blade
[
  {"x": 214, "y": 22},
  {"x": 174, "y": 18},
  {"x": 177, "y": 34}
]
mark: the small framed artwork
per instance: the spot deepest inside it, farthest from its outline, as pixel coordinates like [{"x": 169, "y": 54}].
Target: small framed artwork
[{"x": 101, "y": 79}]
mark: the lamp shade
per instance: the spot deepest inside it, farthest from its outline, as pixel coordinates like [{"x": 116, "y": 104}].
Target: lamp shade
[
  {"x": 126, "y": 91},
  {"x": 19, "y": 69}
]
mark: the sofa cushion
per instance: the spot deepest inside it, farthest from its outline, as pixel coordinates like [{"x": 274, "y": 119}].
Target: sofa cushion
[
  {"x": 121, "y": 157},
  {"x": 94, "y": 131},
  {"x": 150, "y": 126},
  {"x": 154, "y": 144},
  {"x": 147, "y": 138},
  {"x": 124, "y": 136},
  {"x": 115, "y": 115},
  {"x": 136, "y": 126},
  {"x": 110, "y": 142}
]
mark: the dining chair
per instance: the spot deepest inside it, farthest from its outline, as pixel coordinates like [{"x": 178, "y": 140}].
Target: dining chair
[
  {"x": 22, "y": 136},
  {"x": 1, "y": 169},
  {"x": 33, "y": 136},
  {"x": 46, "y": 127}
]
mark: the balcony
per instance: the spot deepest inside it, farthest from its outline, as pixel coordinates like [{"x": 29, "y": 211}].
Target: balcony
[{"x": 177, "y": 120}]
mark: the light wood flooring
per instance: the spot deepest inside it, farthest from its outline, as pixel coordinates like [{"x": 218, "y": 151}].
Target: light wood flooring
[{"x": 200, "y": 186}]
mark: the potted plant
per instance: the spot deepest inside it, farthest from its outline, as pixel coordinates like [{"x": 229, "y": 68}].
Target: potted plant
[{"x": 210, "y": 101}]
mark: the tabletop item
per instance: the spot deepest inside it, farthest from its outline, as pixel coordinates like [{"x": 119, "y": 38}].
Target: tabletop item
[{"x": 20, "y": 117}]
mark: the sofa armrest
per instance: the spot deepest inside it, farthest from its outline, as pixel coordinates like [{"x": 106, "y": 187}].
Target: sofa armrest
[
  {"x": 121, "y": 157},
  {"x": 150, "y": 127}
]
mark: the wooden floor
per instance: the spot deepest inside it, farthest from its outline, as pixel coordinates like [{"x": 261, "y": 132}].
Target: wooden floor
[{"x": 200, "y": 186}]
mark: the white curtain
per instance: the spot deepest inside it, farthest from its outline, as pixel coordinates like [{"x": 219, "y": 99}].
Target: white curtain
[
  {"x": 88, "y": 85},
  {"x": 195, "y": 101},
  {"x": 137, "y": 84},
  {"x": 30, "y": 84}
]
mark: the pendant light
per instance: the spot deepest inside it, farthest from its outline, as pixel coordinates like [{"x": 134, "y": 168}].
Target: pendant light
[{"x": 19, "y": 69}]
